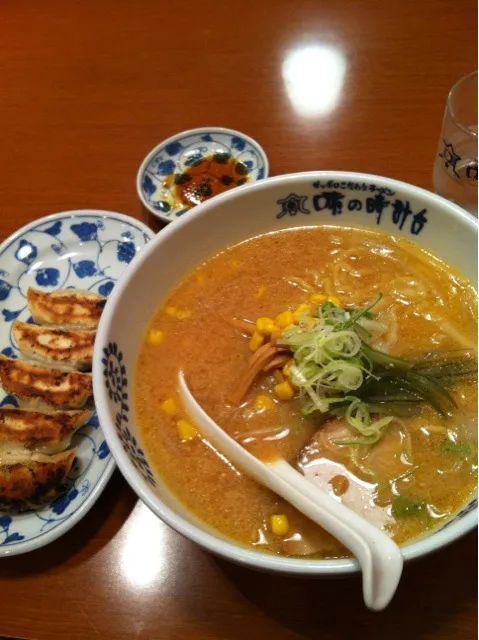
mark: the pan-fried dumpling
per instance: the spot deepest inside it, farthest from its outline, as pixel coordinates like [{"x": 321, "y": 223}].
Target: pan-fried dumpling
[
  {"x": 26, "y": 431},
  {"x": 43, "y": 389},
  {"x": 66, "y": 309},
  {"x": 28, "y": 481},
  {"x": 72, "y": 349}
]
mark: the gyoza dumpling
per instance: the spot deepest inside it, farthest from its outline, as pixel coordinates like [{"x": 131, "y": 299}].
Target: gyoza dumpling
[
  {"x": 29, "y": 481},
  {"x": 67, "y": 309},
  {"x": 44, "y": 389},
  {"x": 30, "y": 431},
  {"x": 55, "y": 347}
]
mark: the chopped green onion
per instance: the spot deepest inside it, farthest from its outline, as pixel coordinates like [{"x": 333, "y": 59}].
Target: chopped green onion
[
  {"x": 358, "y": 417},
  {"x": 404, "y": 507},
  {"x": 457, "y": 448},
  {"x": 338, "y": 373},
  {"x": 359, "y": 313}
]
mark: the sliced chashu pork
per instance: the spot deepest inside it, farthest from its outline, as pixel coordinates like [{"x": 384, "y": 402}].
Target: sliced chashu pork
[{"x": 382, "y": 461}]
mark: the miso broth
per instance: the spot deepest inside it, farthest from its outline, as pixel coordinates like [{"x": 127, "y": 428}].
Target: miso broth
[{"x": 423, "y": 468}]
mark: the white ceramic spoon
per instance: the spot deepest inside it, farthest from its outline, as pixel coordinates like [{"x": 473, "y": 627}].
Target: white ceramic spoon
[{"x": 380, "y": 558}]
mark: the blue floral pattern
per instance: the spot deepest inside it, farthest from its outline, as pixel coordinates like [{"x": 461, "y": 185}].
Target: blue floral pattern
[
  {"x": 85, "y": 231},
  {"x": 173, "y": 148},
  {"x": 26, "y": 252},
  {"x": 84, "y": 268},
  {"x": 59, "y": 505},
  {"x": 55, "y": 229},
  {"x": 157, "y": 180},
  {"x": 104, "y": 450},
  {"x": 116, "y": 382},
  {"x": 4, "y": 290},
  {"x": 79, "y": 250},
  {"x": 9, "y": 401},
  {"x": 8, "y": 538},
  {"x": 106, "y": 288},
  {"x": 47, "y": 277},
  {"x": 9, "y": 352},
  {"x": 126, "y": 251},
  {"x": 9, "y": 316}
]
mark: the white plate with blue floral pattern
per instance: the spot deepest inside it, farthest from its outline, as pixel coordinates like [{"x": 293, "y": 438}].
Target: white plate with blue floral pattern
[
  {"x": 85, "y": 249},
  {"x": 192, "y": 166}
]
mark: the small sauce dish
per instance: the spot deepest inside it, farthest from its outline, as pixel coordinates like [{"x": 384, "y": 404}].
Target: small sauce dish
[{"x": 195, "y": 165}]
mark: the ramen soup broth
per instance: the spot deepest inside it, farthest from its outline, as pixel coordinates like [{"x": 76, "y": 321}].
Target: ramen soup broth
[{"x": 422, "y": 469}]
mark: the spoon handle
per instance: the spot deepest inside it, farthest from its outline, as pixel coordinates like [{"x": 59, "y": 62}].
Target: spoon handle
[{"x": 380, "y": 558}]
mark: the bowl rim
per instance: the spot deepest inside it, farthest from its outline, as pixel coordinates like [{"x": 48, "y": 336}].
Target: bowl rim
[
  {"x": 208, "y": 539},
  {"x": 182, "y": 134}
]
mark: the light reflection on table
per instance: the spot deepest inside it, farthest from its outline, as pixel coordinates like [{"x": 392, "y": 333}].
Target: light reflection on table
[
  {"x": 143, "y": 552},
  {"x": 313, "y": 77}
]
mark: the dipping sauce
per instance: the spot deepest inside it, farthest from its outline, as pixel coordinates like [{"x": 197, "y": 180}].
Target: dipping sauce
[{"x": 208, "y": 177}]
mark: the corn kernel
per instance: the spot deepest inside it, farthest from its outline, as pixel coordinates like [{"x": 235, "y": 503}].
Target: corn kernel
[
  {"x": 284, "y": 390},
  {"x": 234, "y": 264},
  {"x": 171, "y": 311},
  {"x": 155, "y": 337},
  {"x": 183, "y": 314},
  {"x": 299, "y": 311},
  {"x": 266, "y": 326},
  {"x": 200, "y": 278},
  {"x": 169, "y": 406},
  {"x": 318, "y": 298},
  {"x": 335, "y": 300},
  {"x": 260, "y": 291},
  {"x": 279, "y": 524},
  {"x": 284, "y": 319},
  {"x": 256, "y": 341},
  {"x": 186, "y": 431},
  {"x": 263, "y": 403}
]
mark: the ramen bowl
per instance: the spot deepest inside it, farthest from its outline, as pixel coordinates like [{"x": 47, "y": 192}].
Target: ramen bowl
[{"x": 284, "y": 202}]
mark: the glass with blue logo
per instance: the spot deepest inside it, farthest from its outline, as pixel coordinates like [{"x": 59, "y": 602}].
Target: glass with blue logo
[{"x": 455, "y": 168}]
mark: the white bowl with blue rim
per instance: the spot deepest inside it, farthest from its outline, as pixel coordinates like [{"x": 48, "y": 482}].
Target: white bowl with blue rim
[
  {"x": 167, "y": 164},
  {"x": 85, "y": 249},
  {"x": 313, "y": 198}
]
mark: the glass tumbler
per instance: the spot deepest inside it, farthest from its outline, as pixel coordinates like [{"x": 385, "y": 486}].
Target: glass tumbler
[{"x": 455, "y": 167}]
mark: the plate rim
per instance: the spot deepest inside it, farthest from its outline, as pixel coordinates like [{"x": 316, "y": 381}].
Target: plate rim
[
  {"x": 26, "y": 546},
  {"x": 73, "y": 213}
]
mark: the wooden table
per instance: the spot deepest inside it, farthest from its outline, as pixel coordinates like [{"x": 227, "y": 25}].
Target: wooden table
[{"x": 87, "y": 88}]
